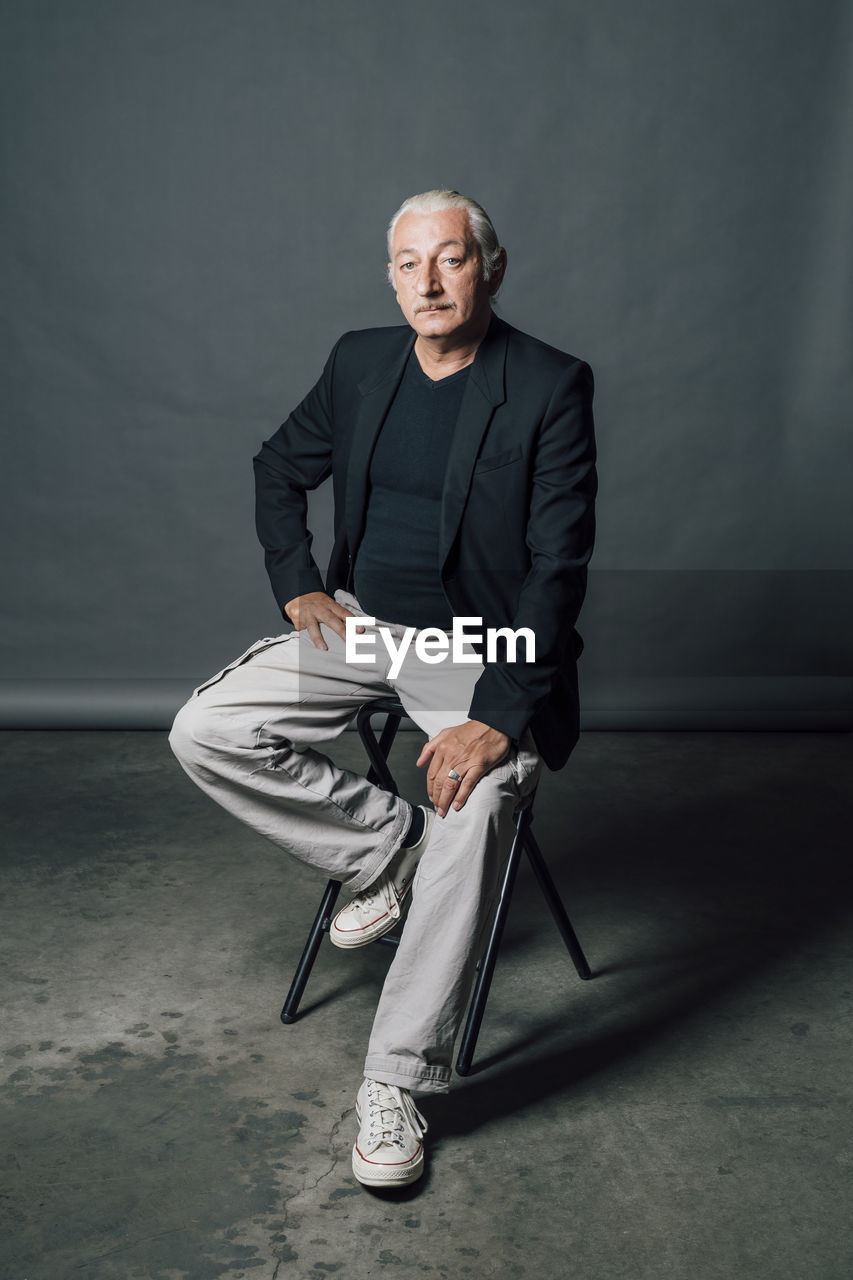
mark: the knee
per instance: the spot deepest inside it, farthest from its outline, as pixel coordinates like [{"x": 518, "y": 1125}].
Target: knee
[{"x": 189, "y": 733}]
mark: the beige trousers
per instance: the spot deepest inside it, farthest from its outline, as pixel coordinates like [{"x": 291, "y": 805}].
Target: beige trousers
[{"x": 248, "y": 738}]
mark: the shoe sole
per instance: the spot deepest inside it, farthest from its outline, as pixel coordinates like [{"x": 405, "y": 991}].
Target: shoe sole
[
  {"x": 367, "y": 1174},
  {"x": 349, "y": 941}
]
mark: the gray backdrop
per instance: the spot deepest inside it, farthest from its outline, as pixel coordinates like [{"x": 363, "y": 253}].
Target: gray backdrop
[{"x": 194, "y": 199}]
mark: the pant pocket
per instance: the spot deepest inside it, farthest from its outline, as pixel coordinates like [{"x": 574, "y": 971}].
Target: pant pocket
[
  {"x": 348, "y": 600},
  {"x": 258, "y": 647}
]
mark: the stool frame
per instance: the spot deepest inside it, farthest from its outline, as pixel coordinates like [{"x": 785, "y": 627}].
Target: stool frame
[{"x": 378, "y": 748}]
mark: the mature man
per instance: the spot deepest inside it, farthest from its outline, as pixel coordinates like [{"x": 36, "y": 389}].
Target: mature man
[{"x": 463, "y": 463}]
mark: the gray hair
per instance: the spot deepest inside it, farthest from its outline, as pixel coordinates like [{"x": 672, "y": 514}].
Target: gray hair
[{"x": 481, "y": 225}]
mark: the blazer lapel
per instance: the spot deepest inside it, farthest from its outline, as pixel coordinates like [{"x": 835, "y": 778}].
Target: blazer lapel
[
  {"x": 377, "y": 390},
  {"x": 485, "y": 390}
]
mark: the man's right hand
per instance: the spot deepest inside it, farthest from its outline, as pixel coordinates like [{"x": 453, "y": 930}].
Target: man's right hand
[{"x": 308, "y": 611}]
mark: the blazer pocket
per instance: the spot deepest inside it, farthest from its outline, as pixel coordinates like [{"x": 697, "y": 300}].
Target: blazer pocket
[{"x": 495, "y": 460}]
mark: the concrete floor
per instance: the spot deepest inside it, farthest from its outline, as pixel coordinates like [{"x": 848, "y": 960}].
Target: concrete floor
[{"x": 686, "y": 1114}]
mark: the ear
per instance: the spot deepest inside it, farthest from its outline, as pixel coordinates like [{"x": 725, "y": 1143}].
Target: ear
[{"x": 498, "y": 273}]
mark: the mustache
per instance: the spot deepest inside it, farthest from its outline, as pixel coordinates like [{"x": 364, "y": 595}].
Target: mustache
[{"x": 433, "y": 306}]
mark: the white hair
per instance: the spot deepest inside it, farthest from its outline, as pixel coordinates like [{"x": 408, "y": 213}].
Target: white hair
[{"x": 480, "y": 222}]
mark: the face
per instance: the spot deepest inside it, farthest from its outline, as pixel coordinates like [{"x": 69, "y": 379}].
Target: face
[{"x": 438, "y": 276}]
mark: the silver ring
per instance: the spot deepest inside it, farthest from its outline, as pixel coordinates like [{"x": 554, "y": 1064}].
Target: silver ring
[{"x": 454, "y": 775}]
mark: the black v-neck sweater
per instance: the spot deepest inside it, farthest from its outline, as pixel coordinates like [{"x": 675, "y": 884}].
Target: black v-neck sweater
[{"x": 396, "y": 574}]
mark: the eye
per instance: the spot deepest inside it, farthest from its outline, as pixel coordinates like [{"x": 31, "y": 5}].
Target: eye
[
  {"x": 406, "y": 266},
  {"x": 452, "y": 262}
]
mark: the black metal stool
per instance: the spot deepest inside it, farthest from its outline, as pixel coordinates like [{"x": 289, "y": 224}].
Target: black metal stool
[{"x": 377, "y": 749}]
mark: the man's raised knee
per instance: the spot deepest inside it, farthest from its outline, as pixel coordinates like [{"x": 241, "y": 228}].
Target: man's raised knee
[{"x": 185, "y": 737}]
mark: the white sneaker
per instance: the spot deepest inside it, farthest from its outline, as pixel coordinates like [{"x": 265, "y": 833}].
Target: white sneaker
[
  {"x": 378, "y": 907},
  {"x": 388, "y": 1151}
]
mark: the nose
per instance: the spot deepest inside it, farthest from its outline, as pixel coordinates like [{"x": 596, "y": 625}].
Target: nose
[{"x": 428, "y": 280}]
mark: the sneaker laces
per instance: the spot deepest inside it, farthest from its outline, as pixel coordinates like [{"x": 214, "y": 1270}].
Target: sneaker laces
[
  {"x": 391, "y": 1115},
  {"x": 382, "y": 891}
]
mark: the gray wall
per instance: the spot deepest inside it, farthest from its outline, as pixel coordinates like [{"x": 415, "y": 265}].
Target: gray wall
[{"x": 194, "y": 197}]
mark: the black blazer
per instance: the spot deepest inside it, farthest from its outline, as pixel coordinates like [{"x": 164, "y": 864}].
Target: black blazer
[{"x": 517, "y": 521}]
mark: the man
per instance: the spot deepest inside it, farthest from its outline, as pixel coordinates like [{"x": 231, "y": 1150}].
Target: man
[{"x": 463, "y": 463}]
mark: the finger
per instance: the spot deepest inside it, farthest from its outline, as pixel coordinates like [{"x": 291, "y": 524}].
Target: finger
[
  {"x": 430, "y": 747},
  {"x": 466, "y": 786},
  {"x": 336, "y": 619},
  {"x": 348, "y": 613},
  {"x": 315, "y": 635},
  {"x": 335, "y": 624},
  {"x": 443, "y": 791},
  {"x": 448, "y": 789},
  {"x": 445, "y": 797},
  {"x": 437, "y": 774},
  {"x": 446, "y": 753},
  {"x": 333, "y": 618}
]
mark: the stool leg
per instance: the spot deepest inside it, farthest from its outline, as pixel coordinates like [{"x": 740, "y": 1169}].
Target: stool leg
[
  {"x": 309, "y": 955},
  {"x": 378, "y": 749},
  {"x": 490, "y": 955},
  {"x": 558, "y": 911}
]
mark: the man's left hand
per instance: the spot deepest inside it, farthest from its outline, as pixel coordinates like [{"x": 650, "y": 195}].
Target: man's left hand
[{"x": 471, "y": 750}]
